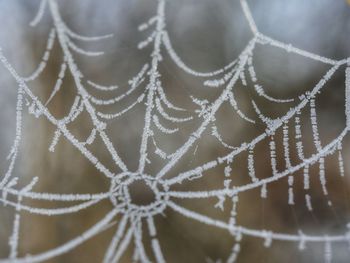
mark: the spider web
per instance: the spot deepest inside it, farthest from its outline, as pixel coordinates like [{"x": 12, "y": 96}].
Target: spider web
[{"x": 158, "y": 110}]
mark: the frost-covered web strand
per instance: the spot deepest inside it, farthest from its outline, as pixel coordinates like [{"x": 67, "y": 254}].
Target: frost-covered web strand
[
  {"x": 153, "y": 79},
  {"x": 18, "y": 132},
  {"x": 266, "y": 235},
  {"x": 245, "y": 145},
  {"x": 58, "y": 83},
  {"x": 236, "y": 248},
  {"x": 13, "y": 240},
  {"x": 42, "y": 65},
  {"x": 39, "y": 15},
  {"x": 140, "y": 251},
  {"x": 215, "y": 106},
  {"x": 155, "y": 242},
  {"x": 251, "y": 168},
  {"x": 54, "y": 121},
  {"x": 81, "y": 51},
  {"x": 249, "y": 17},
  {"x": 100, "y": 87},
  {"x": 265, "y": 40},
  {"x": 120, "y": 113},
  {"x": 325, "y": 151},
  {"x": 234, "y": 105},
  {"x": 134, "y": 83},
  {"x": 123, "y": 245},
  {"x": 115, "y": 240},
  {"x": 347, "y": 95},
  {"x": 81, "y": 90},
  {"x": 258, "y": 88},
  {"x": 68, "y": 246},
  {"x": 165, "y": 115},
  {"x": 157, "y": 102},
  {"x": 177, "y": 60},
  {"x": 318, "y": 145},
  {"x": 161, "y": 127},
  {"x": 77, "y": 36}
]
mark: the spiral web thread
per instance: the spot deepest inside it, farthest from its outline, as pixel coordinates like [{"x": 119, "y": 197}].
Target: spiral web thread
[{"x": 153, "y": 96}]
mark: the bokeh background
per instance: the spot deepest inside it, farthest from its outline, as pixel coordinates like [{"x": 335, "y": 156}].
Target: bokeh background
[{"x": 207, "y": 35}]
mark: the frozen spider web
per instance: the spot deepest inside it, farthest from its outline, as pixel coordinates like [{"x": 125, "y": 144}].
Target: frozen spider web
[{"x": 147, "y": 84}]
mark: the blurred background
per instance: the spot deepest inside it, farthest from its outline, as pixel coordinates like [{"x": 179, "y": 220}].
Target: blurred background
[{"x": 207, "y": 35}]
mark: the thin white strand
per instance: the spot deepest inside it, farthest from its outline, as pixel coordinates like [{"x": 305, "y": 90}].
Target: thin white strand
[
  {"x": 244, "y": 146},
  {"x": 259, "y": 89},
  {"x": 327, "y": 251},
  {"x": 262, "y": 39},
  {"x": 215, "y": 83},
  {"x": 100, "y": 87},
  {"x": 159, "y": 151},
  {"x": 152, "y": 87},
  {"x": 272, "y": 146},
  {"x": 75, "y": 110},
  {"x": 286, "y": 145},
  {"x": 236, "y": 247},
  {"x": 217, "y": 135},
  {"x": 84, "y": 38},
  {"x": 42, "y": 65},
  {"x": 139, "y": 247},
  {"x": 134, "y": 84},
  {"x": 147, "y": 24},
  {"x": 177, "y": 60},
  {"x": 263, "y": 191},
  {"x": 57, "y": 197},
  {"x": 40, "y": 13},
  {"x": 298, "y": 137},
  {"x": 341, "y": 161},
  {"x": 138, "y": 79},
  {"x": 234, "y": 104},
  {"x": 249, "y": 17},
  {"x": 54, "y": 141},
  {"x": 58, "y": 83},
  {"x": 154, "y": 242},
  {"x": 115, "y": 240},
  {"x": 147, "y": 41},
  {"x": 347, "y": 95},
  {"x": 290, "y": 190},
  {"x": 233, "y": 213},
  {"x": 161, "y": 127},
  {"x": 266, "y": 235},
  {"x": 306, "y": 174},
  {"x": 251, "y": 169},
  {"x": 308, "y": 202},
  {"x": 91, "y": 138},
  {"x": 166, "y": 116},
  {"x": 13, "y": 241},
  {"x": 318, "y": 145},
  {"x": 18, "y": 131},
  {"x": 81, "y": 90},
  {"x": 325, "y": 151},
  {"x": 68, "y": 246},
  {"x": 123, "y": 246},
  {"x": 81, "y": 51},
  {"x": 58, "y": 124},
  {"x": 270, "y": 123},
  {"x": 214, "y": 108},
  {"x": 51, "y": 212},
  {"x": 243, "y": 79},
  {"x": 118, "y": 114},
  {"x": 165, "y": 100}
]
